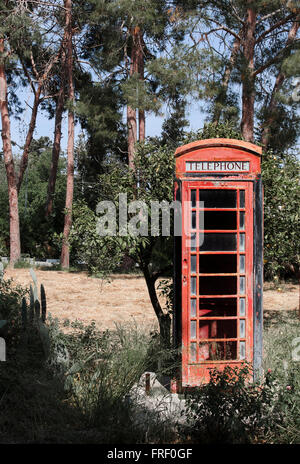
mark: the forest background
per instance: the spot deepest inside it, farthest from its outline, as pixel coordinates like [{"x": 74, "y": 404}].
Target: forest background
[{"x": 111, "y": 69}]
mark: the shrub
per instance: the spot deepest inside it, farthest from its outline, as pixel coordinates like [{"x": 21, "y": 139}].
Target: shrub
[
  {"x": 229, "y": 409},
  {"x": 281, "y": 343},
  {"x": 11, "y": 296},
  {"x": 100, "y": 371},
  {"x": 281, "y": 215}
]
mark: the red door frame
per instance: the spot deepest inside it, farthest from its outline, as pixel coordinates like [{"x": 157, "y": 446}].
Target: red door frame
[{"x": 193, "y": 374}]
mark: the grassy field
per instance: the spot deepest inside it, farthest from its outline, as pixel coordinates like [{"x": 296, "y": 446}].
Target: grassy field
[
  {"x": 124, "y": 298},
  {"x": 78, "y": 394}
]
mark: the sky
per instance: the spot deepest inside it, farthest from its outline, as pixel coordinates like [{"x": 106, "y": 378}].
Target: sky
[{"x": 45, "y": 127}]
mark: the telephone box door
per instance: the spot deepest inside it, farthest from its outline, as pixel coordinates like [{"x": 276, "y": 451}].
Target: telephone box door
[{"x": 217, "y": 265}]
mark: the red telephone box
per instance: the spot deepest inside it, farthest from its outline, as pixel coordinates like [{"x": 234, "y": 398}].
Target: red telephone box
[{"x": 218, "y": 257}]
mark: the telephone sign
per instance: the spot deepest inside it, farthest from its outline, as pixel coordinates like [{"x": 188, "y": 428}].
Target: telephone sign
[{"x": 218, "y": 258}]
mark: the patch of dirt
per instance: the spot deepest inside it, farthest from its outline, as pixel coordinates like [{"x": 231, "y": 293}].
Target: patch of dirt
[
  {"x": 278, "y": 297},
  {"x": 124, "y": 299},
  {"x": 74, "y": 296}
]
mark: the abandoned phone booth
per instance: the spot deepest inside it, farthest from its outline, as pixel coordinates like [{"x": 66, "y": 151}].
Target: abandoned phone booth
[{"x": 218, "y": 258}]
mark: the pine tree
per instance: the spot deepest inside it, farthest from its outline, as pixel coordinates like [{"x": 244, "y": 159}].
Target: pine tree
[
  {"x": 65, "y": 252},
  {"x": 256, "y": 37}
]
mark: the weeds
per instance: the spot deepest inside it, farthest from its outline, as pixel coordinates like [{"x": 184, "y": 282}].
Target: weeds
[{"x": 83, "y": 392}]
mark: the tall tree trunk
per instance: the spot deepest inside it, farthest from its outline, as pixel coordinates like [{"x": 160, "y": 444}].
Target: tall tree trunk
[
  {"x": 225, "y": 82},
  {"x": 65, "y": 253},
  {"x": 132, "y": 134},
  {"x": 37, "y": 95},
  {"x": 142, "y": 123},
  {"x": 15, "y": 245},
  {"x": 248, "y": 92},
  {"x": 29, "y": 137},
  {"x": 131, "y": 112},
  {"x": 271, "y": 111},
  {"x": 56, "y": 145},
  {"x": 164, "y": 319}
]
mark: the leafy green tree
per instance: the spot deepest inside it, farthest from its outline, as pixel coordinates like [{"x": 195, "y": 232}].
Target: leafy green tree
[
  {"x": 152, "y": 253},
  {"x": 252, "y": 39},
  {"x": 37, "y": 232},
  {"x": 150, "y": 180},
  {"x": 129, "y": 45}
]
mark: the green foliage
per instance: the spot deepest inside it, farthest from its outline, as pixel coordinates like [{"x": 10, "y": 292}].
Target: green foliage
[
  {"x": 11, "y": 295},
  {"x": 37, "y": 232},
  {"x": 11, "y": 320},
  {"x": 281, "y": 364},
  {"x": 108, "y": 366},
  {"x": 154, "y": 179},
  {"x": 281, "y": 215},
  {"x": 225, "y": 130},
  {"x": 102, "y": 369},
  {"x": 105, "y": 253},
  {"x": 22, "y": 323},
  {"x": 100, "y": 254},
  {"x": 229, "y": 409}
]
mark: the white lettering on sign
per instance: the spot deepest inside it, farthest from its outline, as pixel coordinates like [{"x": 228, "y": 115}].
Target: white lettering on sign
[{"x": 218, "y": 166}]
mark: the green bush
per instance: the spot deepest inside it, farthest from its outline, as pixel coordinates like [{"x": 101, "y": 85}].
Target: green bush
[
  {"x": 99, "y": 371},
  {"x": 281, "y": 180},
  {"x": 100, "y": 254},
  {"x": 10, "y": 298},
  {"x": 3, "y": 249},
  {"x": 281, "y": 343},
  {"x": 232, "y": 410},
  {"x": 229, "y": 409}
]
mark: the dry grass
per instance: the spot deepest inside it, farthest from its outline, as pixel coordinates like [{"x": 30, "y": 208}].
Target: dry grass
[
  {"x": 124, "y": 299},
  {"x": 76, "y": 296}
]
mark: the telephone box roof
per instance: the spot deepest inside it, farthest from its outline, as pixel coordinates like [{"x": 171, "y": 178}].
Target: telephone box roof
[{"x": 219, "y": 142}]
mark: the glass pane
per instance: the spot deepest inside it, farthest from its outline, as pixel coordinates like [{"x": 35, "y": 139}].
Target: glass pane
[
  {"x": 193, "y": 219},
  {"x": 193, "y": 264},
  {"x": 218, "y": 198},
  {"x": 193, "y": 285},
  {"x": 242, "y": 242},
  {"x": 242, "y": 198},
  {"x": 218, "y": 329},
  {"x": 219, "y": 220},
  {"x": 193, "y": 198},
  {"x": 193, "y": 242},
  {"x": 242, "y": 307},
  {"x": 193, "y": 352},
  {"x": 217, "y": 307},
  {"x": 242, "y": 220},
  {"x": 242, "y": 285},
  {"x": 218, "y": 285},
  {"x": 219, "y": 242},
  {"x": 215, "y": 351},
  {"x": 217, "y": 264},
  {"x": 193, "y": 329},
  {"x": 242, "y": 328},
  {"x": 193, "y": 307},
  {"x": 242, "y": 264},
  {"x": 242, "y": 350}
]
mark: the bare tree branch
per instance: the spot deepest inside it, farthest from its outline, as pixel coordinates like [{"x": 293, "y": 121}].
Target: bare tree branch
[{"x": 275, "y": 26}]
